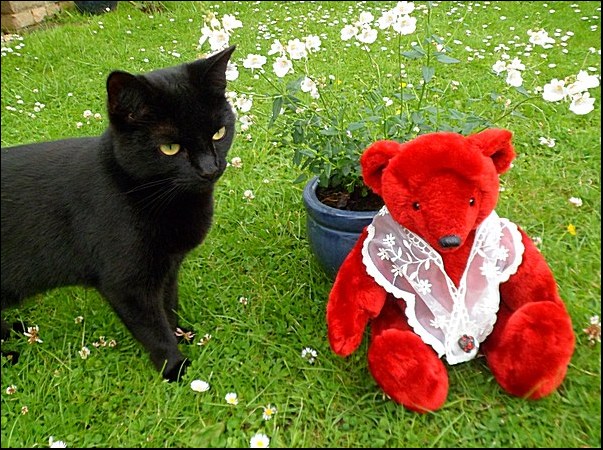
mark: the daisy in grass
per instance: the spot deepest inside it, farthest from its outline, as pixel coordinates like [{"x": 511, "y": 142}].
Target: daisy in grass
[
  {"x": 259, "y": 440},
  {"x": 231, "y": 398},
  {"x": 199, "y": 386},
  {"x": 55, "y": 444},
  {"x": 269, "y": 412}
]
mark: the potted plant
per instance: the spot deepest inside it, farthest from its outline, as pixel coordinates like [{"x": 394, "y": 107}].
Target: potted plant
[{"x": 326, "y": 121}]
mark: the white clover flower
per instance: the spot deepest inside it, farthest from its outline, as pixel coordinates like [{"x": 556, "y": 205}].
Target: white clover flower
[
  {"x": 248, "y": 195},
  {"x": 259, "y": 440},
  {"x": 10, "y": 390},
  {"x": 236, "y": 162},
  {"x": 576, "y": 201},
  {"x": 84, "y": 352},
  {"x": 549, "y": 142},
  {"x": 199, "y": 386},
  {"x": 310, "y": 354},
  {"x": 33, "y": 335}
]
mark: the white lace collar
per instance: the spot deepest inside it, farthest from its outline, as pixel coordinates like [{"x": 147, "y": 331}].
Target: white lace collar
[{"x": 454, "y": 321}]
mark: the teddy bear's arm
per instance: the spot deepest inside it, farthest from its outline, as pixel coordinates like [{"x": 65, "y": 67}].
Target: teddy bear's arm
[
  {"x": 534, "y": 280},
  {"x": 354, "y": 299}
]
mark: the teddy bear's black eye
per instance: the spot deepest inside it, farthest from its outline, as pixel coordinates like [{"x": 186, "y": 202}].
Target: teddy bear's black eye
[
  {"x": 416, "y": 206},
  {"x": 471, "y": 201}
]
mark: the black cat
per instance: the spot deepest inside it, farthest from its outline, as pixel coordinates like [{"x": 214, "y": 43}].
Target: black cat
[{"x": 119, "y": 212}]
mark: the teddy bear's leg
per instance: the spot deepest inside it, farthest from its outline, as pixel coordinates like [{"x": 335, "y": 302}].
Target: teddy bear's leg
[
  {"x": 355, "y": 298},
  {"x": 406, "y": 368},
  {"x": 530, "y": 348}
]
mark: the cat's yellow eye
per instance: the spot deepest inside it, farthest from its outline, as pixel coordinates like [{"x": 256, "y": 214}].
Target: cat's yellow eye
[
  {"x": 169, "y": 149},
  {"x": 219, "y": 134}
]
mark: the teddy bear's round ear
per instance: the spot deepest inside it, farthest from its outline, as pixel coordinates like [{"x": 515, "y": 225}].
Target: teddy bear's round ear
[
  {"x": 496, "y": 144},
  {"x": 374, "y": 160}
]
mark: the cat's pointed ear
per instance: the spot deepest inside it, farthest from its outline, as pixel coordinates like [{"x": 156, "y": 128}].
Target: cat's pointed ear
[
  {"x": 126, "y": 98},
  {"x": 211, "y": 71}
]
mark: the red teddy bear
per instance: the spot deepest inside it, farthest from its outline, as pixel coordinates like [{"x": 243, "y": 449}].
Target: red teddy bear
[{"x": 438, "y": 273}]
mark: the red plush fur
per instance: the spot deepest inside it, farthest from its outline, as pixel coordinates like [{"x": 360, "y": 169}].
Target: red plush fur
[{"x": 443, "y": 184}]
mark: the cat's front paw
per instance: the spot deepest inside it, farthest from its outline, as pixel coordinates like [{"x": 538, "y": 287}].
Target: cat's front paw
[{"x": 176, "y": 371}]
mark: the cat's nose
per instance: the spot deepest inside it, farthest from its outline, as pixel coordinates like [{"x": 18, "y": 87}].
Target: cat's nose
[{"x": 209, "y": 167}]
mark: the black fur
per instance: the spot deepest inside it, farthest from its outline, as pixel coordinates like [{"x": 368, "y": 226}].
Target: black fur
[{"x": 115, "y": 213}]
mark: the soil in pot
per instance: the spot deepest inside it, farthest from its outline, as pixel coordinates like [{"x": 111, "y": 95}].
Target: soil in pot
[{"x": 349, "y": 201}]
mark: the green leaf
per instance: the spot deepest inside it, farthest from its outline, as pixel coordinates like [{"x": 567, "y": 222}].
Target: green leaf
[
  {"x": 356, "y": 126},
  {"x": 445, "y": 59},
  {"x": 206, "y": 437},
  {"x": 277, "y": 104},
  {"x": 329, "y": 132},
  {"x": 294, "y": 85},
  {"x": 413, "y": 54},
  {"x": 428, "y": 73}
]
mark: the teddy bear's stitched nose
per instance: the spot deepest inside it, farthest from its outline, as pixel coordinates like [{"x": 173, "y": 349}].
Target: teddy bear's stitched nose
[{"x": 451, "y": 240}]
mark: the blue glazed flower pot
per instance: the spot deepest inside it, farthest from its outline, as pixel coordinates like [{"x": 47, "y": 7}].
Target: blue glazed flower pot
[
  {"x": 95, "y": 7},
  {"x": 331, "y": 232}
]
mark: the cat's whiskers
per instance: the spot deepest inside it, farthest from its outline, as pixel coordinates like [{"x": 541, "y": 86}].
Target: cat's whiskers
[
  {"x": 150, "y": 184},
  {"x": 158, "y": 199}
]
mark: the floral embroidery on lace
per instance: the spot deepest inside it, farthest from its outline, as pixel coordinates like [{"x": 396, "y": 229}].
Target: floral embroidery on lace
[{"x": 453, "y": 320}]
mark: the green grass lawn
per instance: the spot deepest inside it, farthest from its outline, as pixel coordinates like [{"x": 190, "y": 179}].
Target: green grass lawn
[{"x": 253, "y": 286}]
